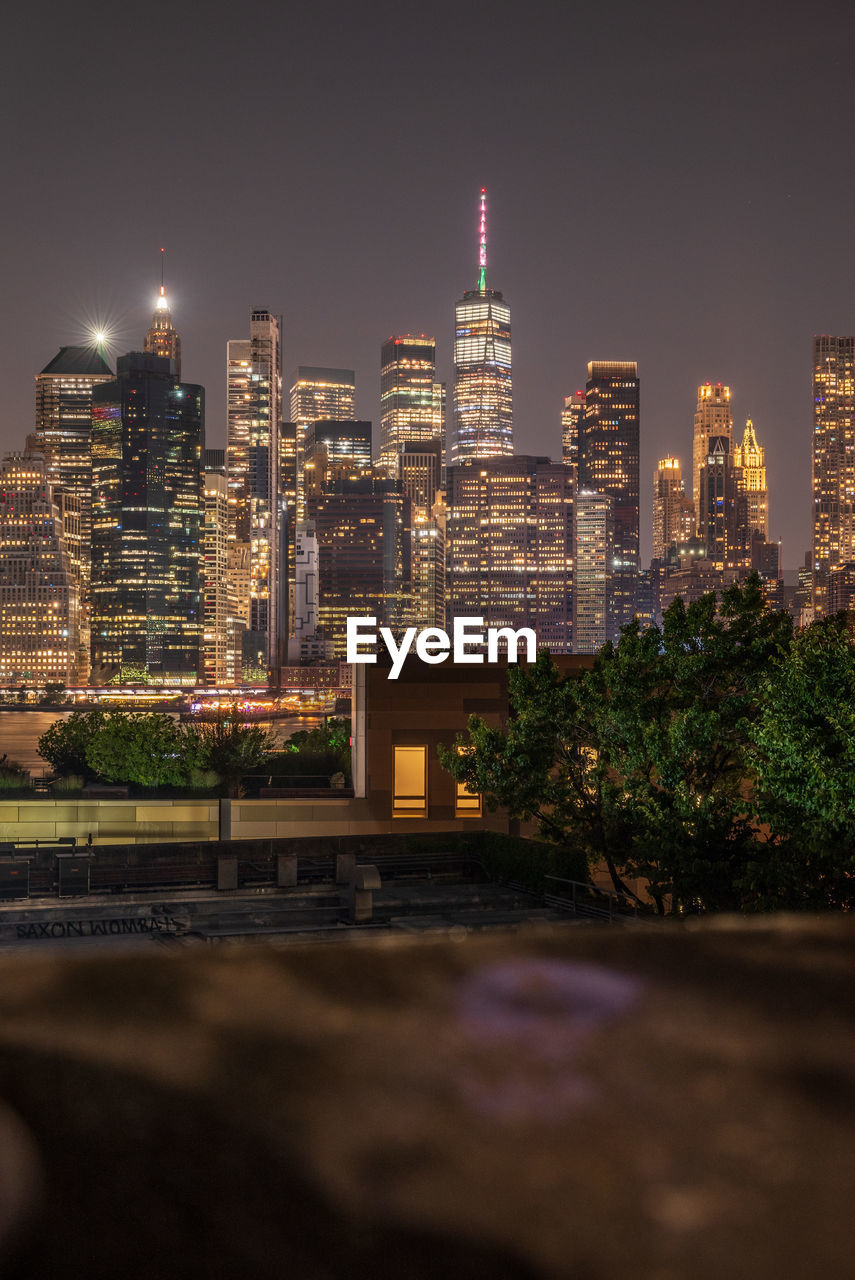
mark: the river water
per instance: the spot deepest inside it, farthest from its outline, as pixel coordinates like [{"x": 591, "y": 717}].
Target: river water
[{"x": 21, "y": 730}]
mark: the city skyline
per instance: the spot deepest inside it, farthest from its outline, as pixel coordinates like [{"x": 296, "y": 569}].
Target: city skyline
[{"x": 606, "y": 251}]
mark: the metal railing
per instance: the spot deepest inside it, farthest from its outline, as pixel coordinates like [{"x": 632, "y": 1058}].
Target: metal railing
[{"x": 587, "y": 900}]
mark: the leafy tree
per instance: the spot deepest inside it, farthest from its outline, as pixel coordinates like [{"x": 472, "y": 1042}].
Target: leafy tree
[
  {"x": 642, "y": 761},
  {"x": 64, "y": 744},
  {"x": 322, "y": 750},
  {"x": 227, "y": 747},
  {"x": 802, "y": 751},
  {"x": 672, "y": 717},
  {"x": 143, "y": 747}
]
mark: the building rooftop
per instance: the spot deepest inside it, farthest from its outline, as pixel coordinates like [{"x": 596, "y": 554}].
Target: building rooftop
[{"x": 79, "y": 360}]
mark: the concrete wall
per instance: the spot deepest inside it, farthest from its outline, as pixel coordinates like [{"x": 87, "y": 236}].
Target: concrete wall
[
  {"x": 110, "y": 821},
  {"x": 165, "y": 821}
]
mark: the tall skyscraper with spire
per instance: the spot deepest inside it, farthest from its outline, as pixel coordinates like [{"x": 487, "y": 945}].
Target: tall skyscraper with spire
[
  {"x": 483, "y": 403},
  {"x": 749, "y": 459},
  {"x": 162, "y": 338}
]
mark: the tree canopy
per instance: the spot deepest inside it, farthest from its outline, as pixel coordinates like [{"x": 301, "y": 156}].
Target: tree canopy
[{"x": 710, "y": 757}]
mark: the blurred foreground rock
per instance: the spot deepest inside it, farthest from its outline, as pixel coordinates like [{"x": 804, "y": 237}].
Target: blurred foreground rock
[{"x": 581, "y": 1102}]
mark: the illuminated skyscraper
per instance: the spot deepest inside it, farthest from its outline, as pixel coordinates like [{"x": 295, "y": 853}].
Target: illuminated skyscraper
[
  {"x": 363, "y": 533},
  {"x": 308, "y": 643},
  {"x": 483, "y": 407},
  {"x": 39, "y": 601},
  {"x": 147, "y": 441},
  {"x": 419, "y": 476},
  {"x": 608, "y": 463},
  {"x": 713, "y": 417},
  {"x": 218, "y": 664},
  {"x": 571, "y": 417},
  {"x": 162, "y": 338},
  {"x": 752, "y": 499},
  {"x": 673, "y": 511},
  {"x": 412, "y": 402},
  {"x": 509, "y": 545},
  {"x": 322, "y": 393},
  {"x": 333, "y": 451},
  {"x": 594, "y": 554},
  {"x": 833, "y": 460},
  {"x": 717, "y": 495},
  {"x": 318, "y": 393},
  {"x": 63, "y": 435},
  {"x": 254, "y": 415}
]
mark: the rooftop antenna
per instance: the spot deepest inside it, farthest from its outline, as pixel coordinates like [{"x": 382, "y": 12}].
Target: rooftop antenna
[
  {"x": 482, "y": 245},
  {"x": 161, "y": 302}
]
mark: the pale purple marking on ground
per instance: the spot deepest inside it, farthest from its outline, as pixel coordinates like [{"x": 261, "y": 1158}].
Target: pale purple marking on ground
[{"x": 544, "y": 1011}]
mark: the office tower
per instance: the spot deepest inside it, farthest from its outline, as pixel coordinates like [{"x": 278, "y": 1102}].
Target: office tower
[
  {"x": 147, "y": 442},
  {"x": 673, "y": 511},
  {"x": 841, "y": 588},
  {"x": 254, "y": 415},
  {"x": 483, "y": 408},
  {"x": 321, "y": 393},
  {"x": 428, "y": 568},
  {"x": 239, "y": 576},
  {"x": 594, "y": 554},
  {"x": 63, "y": 435},
  {"x": 288, "y": 507},
  {"x": 39, "y": 596},
  {"x": 412, "y": 402},
  {"x": 717, "y": 495},
  {"x": 162, "y": 338},
  {"x": 308, "y": 643},
  {"x": 713, "y": 417},
  {"x": 333, "y": 451},
  {"x": 749, "y": 458},
  {"x": 419, "y": 471},
  {"x": 608, "y": 463},
  {"x": 833, "y": 461},
  {"x": 509, "y": 545},
  {"x": 363, "y": 533},
  {"x": 571, "y": 417},
  {"x": 218, "y": 666},
  {"x": 318, "y": 393}
]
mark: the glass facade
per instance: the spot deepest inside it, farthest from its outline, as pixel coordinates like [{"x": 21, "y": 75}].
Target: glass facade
[
  {"x": 713, "y": 417},
  {"x": 254, "y": 415},
  {"x": 63, "y": 436},
  {"x": 147, "y": 442},
  {"x": 594, "y": 537},
  {"x": 609, "y": 463},
  {"x": 412, "y": 402},
  {"x": 509, "y": 545},
  {"x": 318, "y": 393},
  {"x": 39, "y": 600},
  {"x": 833, "y": 460},
  {"x": 483, "y": 399}
]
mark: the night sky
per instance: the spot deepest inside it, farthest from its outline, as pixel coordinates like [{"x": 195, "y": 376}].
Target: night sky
[{"x": 669, "y": 184}]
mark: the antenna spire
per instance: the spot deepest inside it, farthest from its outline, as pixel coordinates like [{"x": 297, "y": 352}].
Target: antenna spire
[
  {"x": 482, "y": 245},
  {"x": 162, "y": 304}
]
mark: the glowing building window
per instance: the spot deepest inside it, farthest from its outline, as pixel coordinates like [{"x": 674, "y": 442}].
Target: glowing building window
[
  {"x": 410, "y": 784},
  {"x": 467, "y": 804}
]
